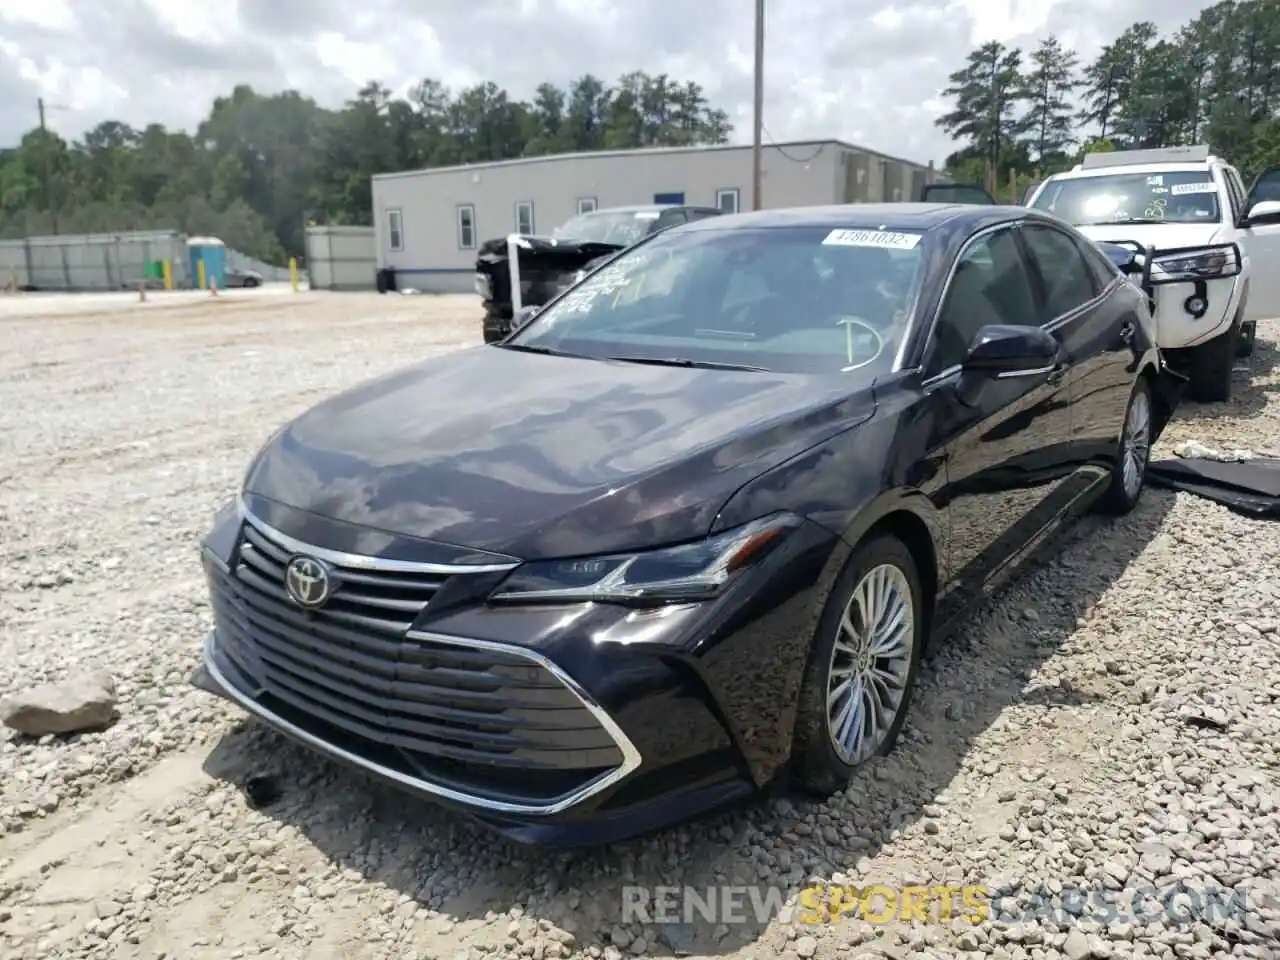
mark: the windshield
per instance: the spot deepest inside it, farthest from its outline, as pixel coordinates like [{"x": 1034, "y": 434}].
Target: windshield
[
  {"x": 793, "y": 299},
  {"x": 621, "y": 227},
  {"x": 1187, "y": 196}
]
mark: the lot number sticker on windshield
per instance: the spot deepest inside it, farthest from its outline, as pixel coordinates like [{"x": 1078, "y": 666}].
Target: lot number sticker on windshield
[
  {"x": 872, "y": 238},
  {"x": 1182, "y": 189}
]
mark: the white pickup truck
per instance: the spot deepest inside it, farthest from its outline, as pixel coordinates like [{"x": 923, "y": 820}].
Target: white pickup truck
[{"x": 1207, "y": 251}]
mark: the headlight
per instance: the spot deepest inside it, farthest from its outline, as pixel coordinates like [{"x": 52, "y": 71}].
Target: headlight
[
  {"x": 692, "y": 571},
  {"x": 1201, "y": 263},
  {"x": 483, "y": 286}
]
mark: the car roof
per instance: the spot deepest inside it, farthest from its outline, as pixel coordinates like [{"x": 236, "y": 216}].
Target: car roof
[
  {"x": 1135, "y": 168},
  {"x": 869, "y": 216},
  {"x": 635, "y": 208}
]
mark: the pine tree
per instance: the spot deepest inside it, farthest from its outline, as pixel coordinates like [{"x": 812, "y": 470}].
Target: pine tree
[
  {"x": 986, "y": 92},
  {"x": 1047, "y": 88}
]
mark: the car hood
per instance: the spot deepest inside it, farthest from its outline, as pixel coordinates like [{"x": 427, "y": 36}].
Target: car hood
[
  {"x": 1162, "y": 236},
  {"x": 534, "y": 456}
]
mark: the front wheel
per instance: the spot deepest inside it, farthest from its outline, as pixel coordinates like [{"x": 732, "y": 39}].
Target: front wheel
[
  {"x": 1129, "y": 471},
  {"x": 862, "y": 666},
  {"x": 1211, "y": 366},
  {"x": 1248, "y": 336}
]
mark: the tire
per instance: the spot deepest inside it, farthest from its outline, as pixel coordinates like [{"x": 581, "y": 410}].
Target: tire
[
  {"x": 1248, "y": 334},
  {"x": 818, "y": 765},
  {"x": 251, "y": 281},
  {"x": 1211, "y": 365},
  {"x": 1133, "y": 453}
]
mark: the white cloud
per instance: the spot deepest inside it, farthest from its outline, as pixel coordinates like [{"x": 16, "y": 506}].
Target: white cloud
[{"x": 868, "y": 71}]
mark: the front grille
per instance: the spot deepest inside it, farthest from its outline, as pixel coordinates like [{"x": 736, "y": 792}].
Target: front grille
[{"x": 478, "y": 718}]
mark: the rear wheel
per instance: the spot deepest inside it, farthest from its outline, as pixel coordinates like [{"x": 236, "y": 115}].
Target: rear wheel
[
  {"x": 1211, "y": 365},
  {"x": 862, "y": 666},
  {"x": 1129, "y": 472}
]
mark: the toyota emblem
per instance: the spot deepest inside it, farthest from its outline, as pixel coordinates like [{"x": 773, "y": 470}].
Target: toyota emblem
[{"x": 308, "y": 582}]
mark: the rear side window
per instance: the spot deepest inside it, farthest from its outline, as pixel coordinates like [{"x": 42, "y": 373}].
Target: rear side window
[{"x": 1067, "y": 276}]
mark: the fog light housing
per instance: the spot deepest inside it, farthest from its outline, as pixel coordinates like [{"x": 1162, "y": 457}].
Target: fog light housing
[{"x": 1196, "y": 305}]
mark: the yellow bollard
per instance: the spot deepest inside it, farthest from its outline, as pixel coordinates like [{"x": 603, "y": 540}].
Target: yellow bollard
[
  {"x": 168, "y": 275},
  {"x": 200, "y": 273},
  {"x": 293, "y": 273}
]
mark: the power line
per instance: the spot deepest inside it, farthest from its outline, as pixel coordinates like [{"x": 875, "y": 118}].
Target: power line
[{"x": 774, "y": 145}]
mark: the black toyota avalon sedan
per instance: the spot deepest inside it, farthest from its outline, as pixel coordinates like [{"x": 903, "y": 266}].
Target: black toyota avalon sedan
[{"x": 688, "y": 529}]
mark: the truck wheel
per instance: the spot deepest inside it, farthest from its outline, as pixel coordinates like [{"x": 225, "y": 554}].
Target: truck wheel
[
  {"x": 1211, "y": 365},
  {"x": 1247, "y": 335}
]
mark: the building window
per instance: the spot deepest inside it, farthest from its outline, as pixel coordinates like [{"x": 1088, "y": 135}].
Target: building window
[
  {"x": 586, "y": 205},
  {"x": 727, "y": 200},
  {"x": 466, "y": 226},
  {"x": 395, "y": 230},
  {"x": 524, "y": 217}
]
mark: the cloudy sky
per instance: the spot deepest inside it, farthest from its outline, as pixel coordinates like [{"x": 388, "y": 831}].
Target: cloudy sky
[{"x": 867, "y": 71}]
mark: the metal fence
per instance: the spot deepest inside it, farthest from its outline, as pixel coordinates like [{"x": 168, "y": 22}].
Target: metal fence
[
  {"x": 109, "y": 261},
  {"x": 270, "y": 273},
  {"x": 96, "y": 261}
]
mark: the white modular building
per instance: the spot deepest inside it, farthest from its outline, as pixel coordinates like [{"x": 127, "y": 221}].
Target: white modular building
[{"x": 429, "y": 223}]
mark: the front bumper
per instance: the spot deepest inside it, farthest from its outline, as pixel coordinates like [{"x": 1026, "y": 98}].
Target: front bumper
[
  {"x": 566, "y": 725},
  {"x": 1177, "y": 328}
]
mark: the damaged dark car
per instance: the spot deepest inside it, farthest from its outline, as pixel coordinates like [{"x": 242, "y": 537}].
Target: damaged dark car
[
  {"x": 516, "y": 271},
  {"x": 695, "y": 541}
]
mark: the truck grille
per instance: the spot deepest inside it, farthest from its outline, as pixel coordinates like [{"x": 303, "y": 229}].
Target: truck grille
[{"x": 479, "y": 718}]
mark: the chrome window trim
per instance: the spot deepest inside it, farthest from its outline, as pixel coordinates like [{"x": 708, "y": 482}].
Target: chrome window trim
[
  {"x": 359, "y": 561},
  {"x": 942, "y": 297},
  {"x": 631, "y": 758},
  {"x": 1050, "y": 325}
]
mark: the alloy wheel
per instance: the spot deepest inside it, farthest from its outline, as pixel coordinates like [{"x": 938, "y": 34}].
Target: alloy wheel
[
  {"x": 1137, "y": 443},
  {"x": 870, "y": 663}
]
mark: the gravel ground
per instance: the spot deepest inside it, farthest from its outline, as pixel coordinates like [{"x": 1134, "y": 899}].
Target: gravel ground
[{"x": 1108, "y": 723}]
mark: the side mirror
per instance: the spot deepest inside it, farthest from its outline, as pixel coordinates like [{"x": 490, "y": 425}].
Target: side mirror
[
  {"x": 523, "y": 316},
  {"x": 1002, "y": 352},
  {"x": 1264, "y": 211}
]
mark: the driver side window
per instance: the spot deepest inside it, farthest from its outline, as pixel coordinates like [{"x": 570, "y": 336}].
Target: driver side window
[{"x": 990, "y": 285}]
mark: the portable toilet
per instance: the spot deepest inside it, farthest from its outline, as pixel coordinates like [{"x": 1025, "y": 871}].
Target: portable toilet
[{"x": 212, "y": 252}]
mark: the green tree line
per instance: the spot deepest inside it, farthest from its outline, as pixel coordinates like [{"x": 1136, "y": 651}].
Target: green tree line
[
  {"x": 259, "y": 168},
  {"x": 1214, "y": 80}
]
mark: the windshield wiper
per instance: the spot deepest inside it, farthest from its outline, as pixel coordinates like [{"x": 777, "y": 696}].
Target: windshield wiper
[
  {"x": 530, "y": 348},
  {"x": 685, "y": 362}
]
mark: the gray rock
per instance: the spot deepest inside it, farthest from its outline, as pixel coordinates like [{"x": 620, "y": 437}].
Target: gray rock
[{"x": 82, "y": 703}]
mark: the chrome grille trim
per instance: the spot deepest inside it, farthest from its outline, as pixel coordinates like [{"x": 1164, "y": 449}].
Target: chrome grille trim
[
  {"x": 631, "y": 756},
  {"x": 363, "y": 562}
]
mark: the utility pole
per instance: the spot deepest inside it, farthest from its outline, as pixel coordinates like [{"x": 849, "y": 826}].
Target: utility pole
[
  {"x": 757, "y": 171},
  {"x": 44, "y": 149}
]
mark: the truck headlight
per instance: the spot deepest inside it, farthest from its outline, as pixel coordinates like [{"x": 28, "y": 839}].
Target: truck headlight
[
  {"x": 1196, "y": 263},
  {"x": 483, "y": 286}
]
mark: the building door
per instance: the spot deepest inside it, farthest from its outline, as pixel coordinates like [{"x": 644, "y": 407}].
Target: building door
[{"x": 668, "y": 197}]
